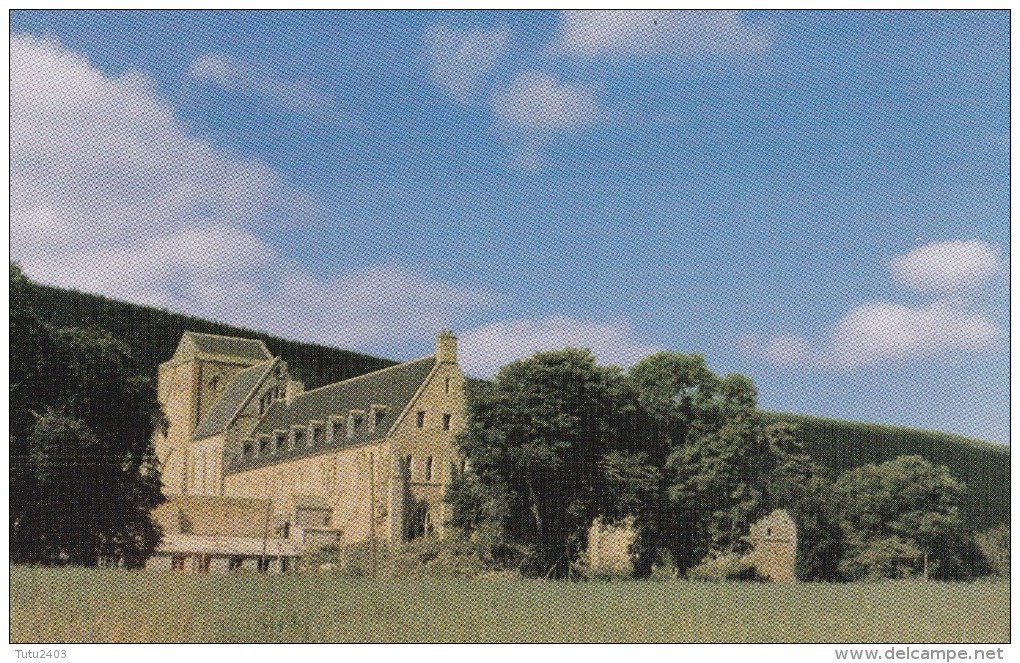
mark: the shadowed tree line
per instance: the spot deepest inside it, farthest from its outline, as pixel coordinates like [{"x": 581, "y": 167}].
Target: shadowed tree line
[
  {"x": 83, "y": 476},
  {"x": 555, "y": 441}
]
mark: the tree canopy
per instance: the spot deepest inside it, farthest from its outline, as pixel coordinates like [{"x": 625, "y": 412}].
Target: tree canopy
[
  {"x": 83, "y": 473},
  {"x": 555, "y": 440},
  {"x": 901, "y": 518},
  {"x": 684, "y": 456}
]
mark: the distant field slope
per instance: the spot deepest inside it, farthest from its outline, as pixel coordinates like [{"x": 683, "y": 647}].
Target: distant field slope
[
  {"x": 153, "y": 335},
  {"x": 983, "y": 466}
]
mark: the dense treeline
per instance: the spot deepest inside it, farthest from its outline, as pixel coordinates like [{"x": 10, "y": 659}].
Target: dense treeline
[
  {"x": 153, "y": 334},
  {"x": 83, "y": 475},
  {"x": 982, "y": 466},
  {"x": 556, "y": 443}
]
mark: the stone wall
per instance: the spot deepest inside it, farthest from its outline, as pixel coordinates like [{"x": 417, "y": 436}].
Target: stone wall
[
  {"x": 442, "y": 395},
  {"x": 345, "y": 479},
  {"x": 773, "y": 542},
  {"x": 608, "y": 554}
]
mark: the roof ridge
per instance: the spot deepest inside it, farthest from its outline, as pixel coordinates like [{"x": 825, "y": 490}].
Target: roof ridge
[
  {"x": 247, "y": 397},
  {"x": 260, "y": 371},
  {"x": 363, "y": 375},
  {"x": 240, "y": 338}
]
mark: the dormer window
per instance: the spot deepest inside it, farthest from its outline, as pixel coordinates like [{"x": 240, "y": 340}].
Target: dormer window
[
  {"x": 318, "y": 436},
  {"x": 246, "y": 449},
  {"x": 354, "y": 421},
  {"x": 281, "y": 441},
  {"x": 299, "y": 437},
  {"x": 376, "y": 416},
  {"x": 263, "y": 445}
]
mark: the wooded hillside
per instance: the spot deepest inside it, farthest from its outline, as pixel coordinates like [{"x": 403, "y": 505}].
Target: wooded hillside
[
  {"x": 982, "y": 466},
  {"x": 153, "y": 335}
]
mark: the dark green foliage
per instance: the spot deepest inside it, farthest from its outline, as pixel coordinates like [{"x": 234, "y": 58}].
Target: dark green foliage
[
  {"x": 153, "y": 334},
  {"x": 83, "y": 474},
  {"x": 535, "y": 437},
  {"x": 902, "y": 519},
  {"x": 804, "y": 489},
  {"x": 555, "y": 440},
  {"x": 982, "y": 466},
  {"x": 723, "y": 465}
]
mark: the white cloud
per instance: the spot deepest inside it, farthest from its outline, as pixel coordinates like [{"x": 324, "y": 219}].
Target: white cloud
[
  {"x": 883, "y": 331},
  {"x": 460, "y": 59},
  {"x": 234, "y": 75},
  {"x": 97, "y": 161},
  {"x": 947, "y": 266},
  {"x": 534, "y": 108},
  {"x": 109, "y": 194},
  {"x": 536, "y": 101},
  {"x": 652, "y": 32},
  {"x": 485, "y": 349}
]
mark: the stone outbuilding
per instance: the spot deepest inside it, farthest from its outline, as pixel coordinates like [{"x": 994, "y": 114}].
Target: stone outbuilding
[
  {"x": 203, "y": 534},
  {"x": 773, "y": 542}
]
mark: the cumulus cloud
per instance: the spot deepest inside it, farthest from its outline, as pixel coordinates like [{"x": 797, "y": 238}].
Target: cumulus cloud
[
  {"x": 881, "y": 331},
  {"x": 947, "y": 266},
  {"x": 235, "y": 75},
  {"x": 535, "y": 100},
  {"x": 589, "y": 33},
  {"x": 485, "y": 349},
  {"x": 459, "y": 60},
  {"x": 535, "y": 107},
  {"x": 109, "y": 194}
]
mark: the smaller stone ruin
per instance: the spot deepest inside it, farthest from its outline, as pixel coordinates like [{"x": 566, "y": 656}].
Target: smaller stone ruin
[{"x": 773, "y": 542}]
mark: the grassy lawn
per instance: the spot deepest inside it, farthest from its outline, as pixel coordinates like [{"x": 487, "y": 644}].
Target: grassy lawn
[{"x": 77, "y": 605}]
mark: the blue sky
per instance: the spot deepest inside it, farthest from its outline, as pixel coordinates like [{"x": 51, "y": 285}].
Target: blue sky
[{"x": 817, "y": 199}]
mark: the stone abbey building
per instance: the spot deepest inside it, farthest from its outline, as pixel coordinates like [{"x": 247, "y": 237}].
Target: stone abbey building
[{"x": 259, "y": 471}]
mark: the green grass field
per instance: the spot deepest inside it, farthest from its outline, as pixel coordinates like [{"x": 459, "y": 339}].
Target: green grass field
[{"x": 76, "y": 605}]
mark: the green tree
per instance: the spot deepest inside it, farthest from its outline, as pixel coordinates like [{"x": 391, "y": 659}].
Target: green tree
[
  {"x": 713, "y": 449},
  {"x": 901, "y": 518},
  {"x": 535, "y": 440},
  {"x": 83, "y": 473},
  {"x": 724, "y": 466}
]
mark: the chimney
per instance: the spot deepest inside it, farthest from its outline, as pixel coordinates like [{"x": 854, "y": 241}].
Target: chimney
[
  {"x": 446, "y": 347},
  {"x": 294, "y": 387}
]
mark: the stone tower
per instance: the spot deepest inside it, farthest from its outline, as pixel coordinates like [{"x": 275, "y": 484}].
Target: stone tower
[{"x": 190, "y": 383}]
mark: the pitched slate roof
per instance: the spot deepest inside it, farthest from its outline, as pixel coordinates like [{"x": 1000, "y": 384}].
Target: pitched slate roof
[
  {"x": 237, "y": 392},
  {"x": 250, "y": 349},
  {"x": 393, "y": 388}
]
